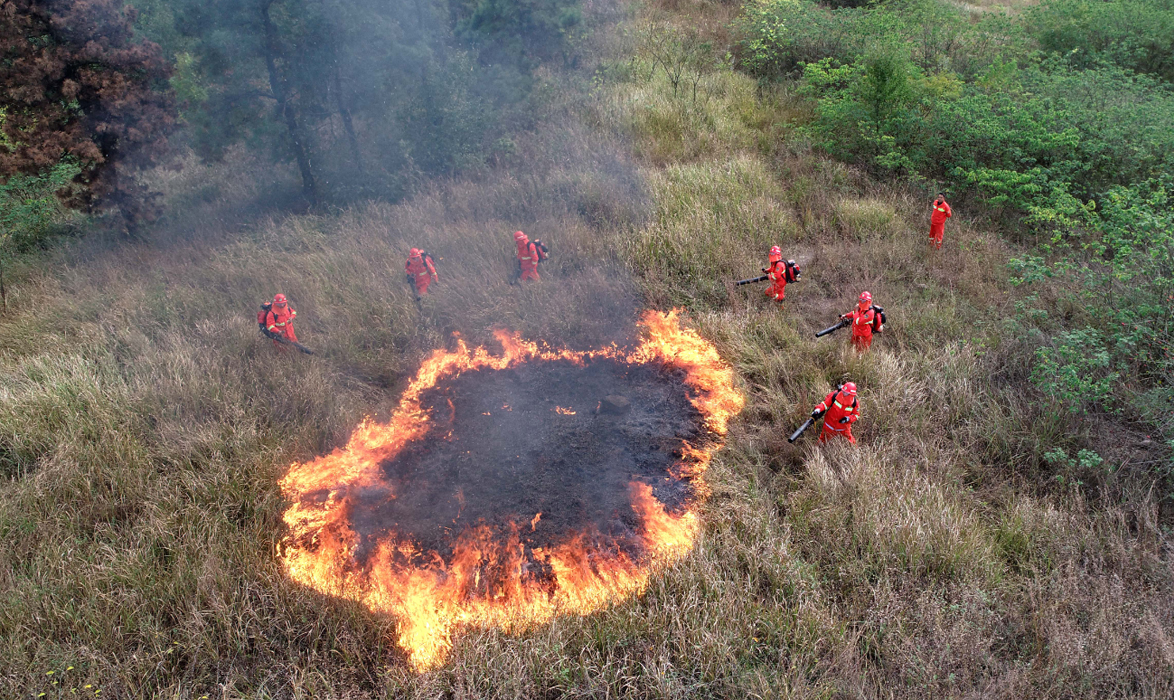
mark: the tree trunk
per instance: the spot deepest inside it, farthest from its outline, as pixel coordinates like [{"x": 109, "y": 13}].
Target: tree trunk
[
  {"x": 345, "y": 113},
  {"x": 272, "y": 51}
]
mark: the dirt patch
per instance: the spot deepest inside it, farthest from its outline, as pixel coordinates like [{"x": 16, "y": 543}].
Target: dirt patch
[{"x": 507, "y": 445}]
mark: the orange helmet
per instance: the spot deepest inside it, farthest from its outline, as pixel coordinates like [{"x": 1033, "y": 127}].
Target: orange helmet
[
  {"x": 776, "y": 253},
  {"x": 279, "y": 298},
  {"x": 414, "y": 253},
  {"x": 849, "y": 389},
  {"x": 518, "y": 235},
  {"x": 865, "y": 298}
]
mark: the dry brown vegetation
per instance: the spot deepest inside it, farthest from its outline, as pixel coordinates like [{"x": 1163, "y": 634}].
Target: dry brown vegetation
[{"x": 144, "y": 424}]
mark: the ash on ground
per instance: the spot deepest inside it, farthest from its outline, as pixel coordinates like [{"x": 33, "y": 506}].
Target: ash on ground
[{"x": 544, "y": 437}]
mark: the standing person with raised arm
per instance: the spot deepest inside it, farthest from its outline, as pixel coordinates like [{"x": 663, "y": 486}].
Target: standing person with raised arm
[{"x": 937, "y": 221}]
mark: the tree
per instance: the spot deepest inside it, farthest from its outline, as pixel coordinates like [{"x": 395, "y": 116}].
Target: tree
[
  {"x": 78, "y": 84},
  {"x": 239, "y": 54},
  {"x": 279, "y": 75},
  {"x": 519, "y": 29},
  {"x": 365, "y": 96},
  {"x": 885, "y": 88}
]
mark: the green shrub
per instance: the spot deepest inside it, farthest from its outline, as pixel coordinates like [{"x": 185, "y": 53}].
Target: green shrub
[
  {"x": 1129, "y": 275},
  {"x": 779, "y": 37},
  {"x": 910, "y": 87},
  {"x": 1134, "y": 34},
  {"x": 30, "y": 211},
  {"x": 1075, "y": 371},
  {"x": 1041, "y": 140}
]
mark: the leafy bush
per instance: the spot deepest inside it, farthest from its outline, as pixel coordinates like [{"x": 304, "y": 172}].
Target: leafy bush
[
  {"x": 450, "y": 124},
  {"x": 30, "y": 208},
  {"x": 1124, "y": 263},
  {"x": 1041, "y": 140},
  {"x": 779, "y": 37},
  {"x": 1085, "y": 459},
  {"x": 910, "y": 87},
  {"x": 1076, "y": 370},
  {"x": 1135, "y": 34},
  {"x": 31, "y": 211},
  {"x": 1129, "y": 275}
]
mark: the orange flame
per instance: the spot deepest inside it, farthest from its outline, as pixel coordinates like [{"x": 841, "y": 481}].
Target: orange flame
[
  {"x": 534, "y": 521},
  {"x": 431, "y": 598},
  {"x": 564, "y": 411}
]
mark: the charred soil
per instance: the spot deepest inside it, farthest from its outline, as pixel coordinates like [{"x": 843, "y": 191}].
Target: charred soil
[{"x": 508, "y": 445}]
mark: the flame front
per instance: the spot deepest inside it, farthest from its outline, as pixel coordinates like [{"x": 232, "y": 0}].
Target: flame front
[{"x": 431, "y": 598}]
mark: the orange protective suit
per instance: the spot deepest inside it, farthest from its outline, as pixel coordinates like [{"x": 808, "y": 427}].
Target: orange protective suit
[
  {"x": 420, "y": 271},
  {"x": 842, "y": 410},
  {"x": 529, "y": 263},
  {"x": 937, "y": 222},
  {"x": 781, "y": 272},
  {"x": 280, "y": 320},
  {"x": 864, "y": 321},
  {"x": 529, "y": 255}
]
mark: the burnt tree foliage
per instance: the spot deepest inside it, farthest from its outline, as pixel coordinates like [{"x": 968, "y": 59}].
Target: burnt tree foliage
[{"x": 79, "y": 86}]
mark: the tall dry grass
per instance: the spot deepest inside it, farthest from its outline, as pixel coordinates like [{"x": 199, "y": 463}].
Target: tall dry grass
[{"x": 144, "y": 424}]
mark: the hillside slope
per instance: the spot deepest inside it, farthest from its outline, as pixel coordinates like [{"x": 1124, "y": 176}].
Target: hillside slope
[{"x": 144, "y": 425}]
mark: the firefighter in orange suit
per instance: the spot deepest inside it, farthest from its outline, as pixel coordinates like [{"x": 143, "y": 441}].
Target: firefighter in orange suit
[
  {"x": 530, "y": 253},
  {"x": 866, "y": 319},
  {"x": 839, "y": 409},
  {"x": 937, "y": 221},
  {"x": 420, "y": 271},
  {"x": 780, "y": 273},
  {"x": 280, "y": 318}
]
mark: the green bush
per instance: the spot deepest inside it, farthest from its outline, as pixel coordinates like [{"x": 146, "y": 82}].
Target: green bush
[
  {"x": 1075, "y": 371},
  {"x": 30, "y": 211},
  {"x": 1041, "y": 140},
  {"x": 910, "y": 87},
  {"x": 1129, "y": 275},
  {"x": 1134, "y": 34},
  {"x": 779, "y": 37}
]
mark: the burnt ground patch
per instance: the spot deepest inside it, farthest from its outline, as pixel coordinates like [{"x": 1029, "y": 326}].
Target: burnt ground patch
[{"x": 503, "y": 447}]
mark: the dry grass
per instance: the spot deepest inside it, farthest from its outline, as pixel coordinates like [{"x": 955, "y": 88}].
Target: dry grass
[{"x": 144, "y": 423}]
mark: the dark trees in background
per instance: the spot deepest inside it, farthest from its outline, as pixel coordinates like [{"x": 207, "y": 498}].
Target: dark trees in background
[
  {"x": 77, "y": 84},
  {"x": 276, "y": 65},
  {"x": 518, "y": 30},
  {"x": 364, "y": 96}
]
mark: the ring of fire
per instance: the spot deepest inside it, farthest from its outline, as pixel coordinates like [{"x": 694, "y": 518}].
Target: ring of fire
[{"x": 485, "y": 575}]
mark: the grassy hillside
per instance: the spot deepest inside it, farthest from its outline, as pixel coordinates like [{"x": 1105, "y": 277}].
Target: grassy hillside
[{"x": 144, "y": 424}]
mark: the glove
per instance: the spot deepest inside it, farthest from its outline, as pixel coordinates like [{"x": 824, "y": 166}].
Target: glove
[
  {"x": 844, "y": 419},
  {"x": 816, "y": 413}
]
